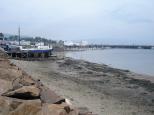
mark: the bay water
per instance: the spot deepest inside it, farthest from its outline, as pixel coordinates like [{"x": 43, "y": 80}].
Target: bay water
[{"x": 137, "y": 60}]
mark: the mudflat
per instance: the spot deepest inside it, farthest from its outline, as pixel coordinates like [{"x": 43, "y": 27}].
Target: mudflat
[{"x": 102, "y": 89}]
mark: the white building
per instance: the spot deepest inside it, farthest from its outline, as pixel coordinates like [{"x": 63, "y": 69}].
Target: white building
[
  {"x": 71, "y": 43},
  {"x": 83, "y": 43},
  {"x": 25, "y": 43},
  {"x": 68, "y": 43},
  {"x": 14, "y": 42},
  {"x": 39, "y": 44}
]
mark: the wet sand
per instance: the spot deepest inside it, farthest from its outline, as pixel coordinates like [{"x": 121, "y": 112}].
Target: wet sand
[{"x": 102, "y": 89}]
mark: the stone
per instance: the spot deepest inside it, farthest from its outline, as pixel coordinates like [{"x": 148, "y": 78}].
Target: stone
[
  {"x": 4, "y": 85},
  {"x": 49, "y": 96},
  {"x": 57, "y": 109},
  {"x": 22, "y": 81},
  {"x": 8, "y": 104},
  {"x": 25, "y": 92},
  {"x": 28, "y": 108}
]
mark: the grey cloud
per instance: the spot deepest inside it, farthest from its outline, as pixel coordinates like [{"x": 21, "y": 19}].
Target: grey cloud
[{"x": 120, "y": 20}]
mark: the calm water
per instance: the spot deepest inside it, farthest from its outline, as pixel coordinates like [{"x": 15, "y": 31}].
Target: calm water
[{"x": 136, "y": 60}]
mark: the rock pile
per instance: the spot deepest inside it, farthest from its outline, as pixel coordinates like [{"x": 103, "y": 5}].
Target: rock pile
[
  {"x": 2, "y": 54},
  {"x": 22, "y": 95}
]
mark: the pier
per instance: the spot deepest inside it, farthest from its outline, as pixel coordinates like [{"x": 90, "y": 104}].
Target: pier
[
  {"x": 30, "y": 54},
  {"x": 96, "y": 47}
]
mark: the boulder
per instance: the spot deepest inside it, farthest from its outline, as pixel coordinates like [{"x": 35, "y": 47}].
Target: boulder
[
  {"x": 58, "y": 109},
  {"x": 28, "y": 108},
  {"x": 4, "y": 85},
  {"x": 25, "y": 92},
  {"x": 8, "y": 104},
  {"x": 22, "y": 81},
  {"x": 49, "y": 96},
  {"x": 35, "y": 108},
  {"x": 2, "y": 53},
  {"x": 4, "y": 106}
]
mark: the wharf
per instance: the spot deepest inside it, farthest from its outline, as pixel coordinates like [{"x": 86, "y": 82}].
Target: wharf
[{"x": 31, "y": 53}]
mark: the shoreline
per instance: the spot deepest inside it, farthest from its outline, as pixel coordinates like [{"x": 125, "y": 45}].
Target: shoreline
[
  {"x": 134, "y": 75},
  {"x": 145, "y": 77},
  {"x": 128, "y": 59},
  {"x": 101, "y": 88}
]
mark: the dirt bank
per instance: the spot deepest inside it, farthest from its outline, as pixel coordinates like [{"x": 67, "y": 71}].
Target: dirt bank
[{"x": 104, "y": 90}]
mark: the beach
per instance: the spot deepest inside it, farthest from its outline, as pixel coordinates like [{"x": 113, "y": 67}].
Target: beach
[{"x": 102, "y": 89}]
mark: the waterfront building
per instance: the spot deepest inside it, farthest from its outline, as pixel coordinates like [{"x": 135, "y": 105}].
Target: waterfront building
[
  {"x": 25, "y": 43},
  {"x": 14, "y": 42},
  {"x": 1, "y": 36},
  {"x": 83, "y": 43},
  {"x": 22, "y": 42},
  {"x": 71, "y": 43},
  {"x": 68, "y": 43},
  {"x": 39, "y": 44}
]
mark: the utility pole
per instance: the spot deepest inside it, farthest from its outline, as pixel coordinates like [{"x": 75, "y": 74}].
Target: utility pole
[{"x": 19, "y": 35}]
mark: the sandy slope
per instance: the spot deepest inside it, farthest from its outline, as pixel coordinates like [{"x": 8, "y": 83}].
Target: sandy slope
[{"x": 104, "y": 90}]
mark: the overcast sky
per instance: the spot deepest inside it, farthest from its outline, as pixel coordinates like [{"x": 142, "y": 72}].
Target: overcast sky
[{"x": 106, "y": 21}]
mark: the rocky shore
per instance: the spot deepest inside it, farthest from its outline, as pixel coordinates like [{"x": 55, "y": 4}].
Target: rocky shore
[{"x": 20, "y": 94}]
